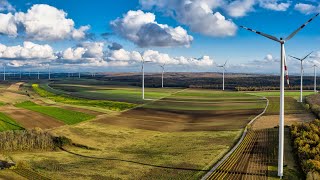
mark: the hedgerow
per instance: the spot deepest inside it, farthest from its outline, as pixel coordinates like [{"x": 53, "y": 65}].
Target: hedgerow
[{"x": 306, "y": 142}]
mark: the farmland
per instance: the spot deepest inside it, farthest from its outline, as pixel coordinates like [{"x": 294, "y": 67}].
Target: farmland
[
  {"x": 7, "y": 123},
  {"x": 64, "y": 115},
  {"x": 180, "y": 133},
  {"x": 175, "y": 133}
]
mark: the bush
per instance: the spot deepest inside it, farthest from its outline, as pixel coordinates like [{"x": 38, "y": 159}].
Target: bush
[{"x": 306, "y": 142}]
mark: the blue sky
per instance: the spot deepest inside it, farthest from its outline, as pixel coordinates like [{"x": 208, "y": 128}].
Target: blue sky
[{"x": 243, "y": 49}]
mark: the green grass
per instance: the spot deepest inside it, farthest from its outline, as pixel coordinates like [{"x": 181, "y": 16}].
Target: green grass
[
  {"x": 277, "y": 93},
  {"x": 64, "y": 115},
  {"x": 111, "y": 105},
  {"x": 2, "y": 103},
  {"x": 129, "y": 94},
  {"x": 291, "y": 106},
  {"x": 7, "y": 123},
  {"x": 197, "y": 99}
]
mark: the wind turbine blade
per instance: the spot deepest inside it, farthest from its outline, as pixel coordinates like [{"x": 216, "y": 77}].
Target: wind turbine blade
[
  {"x": 306, "y": 56},
  {"x": 301, "y": 27},
  {"x": 262, "y": 34},
  {"x": 295, "y": 58}
]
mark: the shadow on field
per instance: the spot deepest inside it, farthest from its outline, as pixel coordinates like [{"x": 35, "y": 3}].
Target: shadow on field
[{"x": 134, "y": 162}]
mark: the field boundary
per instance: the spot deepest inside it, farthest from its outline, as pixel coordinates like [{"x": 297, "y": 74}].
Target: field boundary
[{"x": 238, "y": 143}]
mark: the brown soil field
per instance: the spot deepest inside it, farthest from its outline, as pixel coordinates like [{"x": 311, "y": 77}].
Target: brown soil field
[
  {"x": 30, "y": 119},
  {"x": 176, "y": 120}
]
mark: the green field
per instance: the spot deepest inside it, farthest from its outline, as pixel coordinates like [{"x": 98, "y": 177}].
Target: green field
[
  {"x": 111, "y": 105},
  {"x": 64, "y": 115},
  {"x": 294, "y": 94},
  {"x": 7, "y": 123},
  {"x": 129, "y": 94}
]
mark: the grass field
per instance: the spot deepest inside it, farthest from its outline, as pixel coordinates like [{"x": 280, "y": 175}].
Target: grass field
[
  {"x": 64, "y": 115},
  {"x": 111, "y": 105},
  {"x": 172, "y": 150},
  {"x": 7, "y": 123},
  {"x": 129, "y": 94},
  {"x": 294, "y": 94}
]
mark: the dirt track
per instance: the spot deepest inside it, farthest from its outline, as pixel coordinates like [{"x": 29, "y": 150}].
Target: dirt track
[{"x": 30, "y": 119}]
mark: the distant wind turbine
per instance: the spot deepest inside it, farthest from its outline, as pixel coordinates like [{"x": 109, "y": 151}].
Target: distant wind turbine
[
  {"x": 4, "y": 72},
  {"x": 142, "y": 69},
  {"x": 162, "y": 67},
  {"x": 301, "y": 73},
  {"x": 224, "y": 69},
  {"x": 315, "y": 77},
  {"x": 283, "y": 68},
  {"x": 49, "y": 72}
]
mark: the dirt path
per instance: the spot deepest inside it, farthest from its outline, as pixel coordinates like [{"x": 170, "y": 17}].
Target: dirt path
[
  {"x": 15, "y": 87},
  {"x": 30, "y": 119}
]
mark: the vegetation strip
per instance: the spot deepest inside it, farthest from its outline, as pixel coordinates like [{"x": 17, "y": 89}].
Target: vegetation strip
[
  {"x": 7, "y": 123},
  {"x": 237, "y": 145},
  {"x": 112, "y": 105},
  {"x": 67, "y": 116}
]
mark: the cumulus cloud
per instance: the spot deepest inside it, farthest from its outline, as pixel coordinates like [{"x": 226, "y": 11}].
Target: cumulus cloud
[
  {"x": 306, "y": 8},
  {"x": 239, "y": 8},
  {"x": 158, "y": 58},
  {"x": 8, "y": 25},
  {"x": 84, "y": 53},
  {"x": 275, "y": 5},
  {"x": 29, "y": 50},
  {"x": 42, "y": 22},
  {"x": 197, "y": 14},
  {"x": 142, "y": 29},
  {"x": 6, "y": 6}
]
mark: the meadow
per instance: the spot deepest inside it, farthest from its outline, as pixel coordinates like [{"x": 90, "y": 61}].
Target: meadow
[
  {"x": 7, "y": 123},
  {"x": 122, "y": 93},
  {"x": 111, "y": 105},
  {"x": 64, "y": 115}
]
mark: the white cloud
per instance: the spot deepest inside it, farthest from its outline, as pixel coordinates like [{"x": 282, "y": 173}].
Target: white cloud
[
  {"x": 6, "y": 6},
  {"x": 275, "y": 5},
  {"x": 239, "y": 8},
  {"x": 197, "y": 14},
  {"x": 42, "y": 22},
  {"x": 158, "y": 58},
  {"x": 29, "y": 50},
  {"x": 306, "y": 8},
  {"x": 73, "y": 54},
  {"x": 142, "y": 29},
  {"x": 8, "y": 25}
]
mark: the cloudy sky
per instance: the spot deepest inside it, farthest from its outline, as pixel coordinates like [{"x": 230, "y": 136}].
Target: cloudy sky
[{"x": 185, "y": 35}]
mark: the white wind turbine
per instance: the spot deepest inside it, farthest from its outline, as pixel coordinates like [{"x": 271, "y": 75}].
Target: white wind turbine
[
  {"x": 282, "y": 69},
  {"x": 162, "y": 67},
  {"x": 4, "y": 72},
  {"x": 315, "y": 77},
  {"x": 224, "y": 69},
  {"x": 142, "y": 69},
  {"x": 301, "y": 73}
]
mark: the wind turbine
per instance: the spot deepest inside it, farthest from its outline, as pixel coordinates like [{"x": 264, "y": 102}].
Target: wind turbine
[
  {"x": 224, "y": 69},
  {"x": 301, "y": 73},
  {"x": 315, "y": 77},
  {"x": 142, "y": 69},
  {"x": 49, "y": 72},
  {"x": 162, "y": 67},
  {"x": 4, "y": 72},
  {"x": 282, "y": 68}
]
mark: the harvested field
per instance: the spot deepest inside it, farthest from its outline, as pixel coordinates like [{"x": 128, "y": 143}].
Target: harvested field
[
  {"x": 30, "y": 119},
  {"x": 177, "y": 120}
]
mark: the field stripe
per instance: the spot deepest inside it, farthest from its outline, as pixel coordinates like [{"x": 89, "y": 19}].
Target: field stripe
[{"x": 206, "y": 176}]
